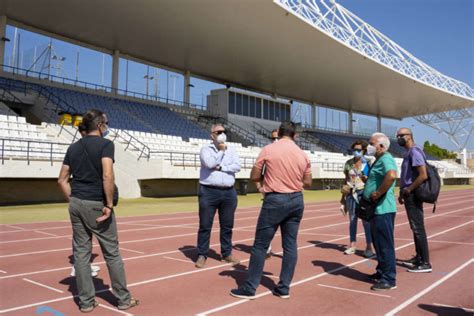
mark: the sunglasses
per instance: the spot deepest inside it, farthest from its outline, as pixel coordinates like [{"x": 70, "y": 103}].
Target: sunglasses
[
  {"x": 274, "y": 138},
  {"x": 402, "y": 135},
  {"x": 219, "y": 132}
]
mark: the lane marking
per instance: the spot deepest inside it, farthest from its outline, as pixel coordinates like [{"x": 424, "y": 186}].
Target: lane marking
[
  {"x": 43, "y": 285},
  {"x": 351, "y": 290},
  {"x": 177, "y": 259},
  {"x": 220, "y": 308},
  {"x": 1, "y": 271},
  {"x": 263, "y": 274},
  {"x": 214, "y": 245},
  {"x": 441, "y": 241},
  {"x": 131, "y": 250},
  {"x": 206, "y": 269},
  {"x": 308, "y": 209},
  {"x": 45, "y": 233},
  {"x": 428, "y": 289}
]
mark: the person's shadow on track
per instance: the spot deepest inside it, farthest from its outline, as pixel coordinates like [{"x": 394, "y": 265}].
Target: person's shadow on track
[
  {"x": 248, "y": 249},
  {"x": 191, "y": 253},
  {"x": 239, "y": 274},
  {"x": 102, "y": 289},
  {"x": 336, "y": 268},
  {"x": 338, "y": 247}
]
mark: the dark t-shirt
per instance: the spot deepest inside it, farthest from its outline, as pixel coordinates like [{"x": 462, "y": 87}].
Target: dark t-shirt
[{"x": 87, "y": 183}]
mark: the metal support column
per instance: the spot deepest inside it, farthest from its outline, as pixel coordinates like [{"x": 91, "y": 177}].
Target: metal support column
[
  {"x": 379, "y": 123},
  {"x": 350, "y": 122},
  {"x": 3, "y": 33},
  {"x": 115, "y": 70},
  {"x": 187, "y": 87},
  {"x": 314, "y": 115}
]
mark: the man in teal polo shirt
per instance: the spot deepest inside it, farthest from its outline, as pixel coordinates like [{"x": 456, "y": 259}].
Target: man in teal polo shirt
[{"x": 380, "y": 188}]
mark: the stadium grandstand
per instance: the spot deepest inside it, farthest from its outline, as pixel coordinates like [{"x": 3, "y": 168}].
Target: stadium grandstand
[{"x": 161, "y": 137}]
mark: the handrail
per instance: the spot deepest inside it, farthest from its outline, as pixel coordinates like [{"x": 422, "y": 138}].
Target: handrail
[
  {"x": 97, "y": 87},
  {"x": 31, "y": 149}
]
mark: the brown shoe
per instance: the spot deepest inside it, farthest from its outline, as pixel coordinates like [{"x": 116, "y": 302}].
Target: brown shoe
[
  {"x": 133, "y": 302},
  {"x": 231, "y": 259},
  {"x": 200, "y": 262}
]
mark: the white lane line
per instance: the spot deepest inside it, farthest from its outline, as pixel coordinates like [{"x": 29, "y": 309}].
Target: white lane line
[
  {"x": 206, "y": 269},
  {"x": 322, "y": 234},
  {"x": 195, "y": 217},
  {"x": 155, "y": 238},
  {"x": 214, "y": 245},
  {"x": 45, "y": 233},
  {"x": 428, "y": 289},
  {"x": 1, "y": 271},
  {"x": 17, "y": 228},
  {"x": 351, "y": 290},
  {"x": 263, "y": 275},
  {"x": 177, "y": 259},
  {"x": 134, "y": 251},
  {"x": 114, "y": 309},
  {"x": 469, "y": 310},
  {"x": 220, "y": 308},
  {"x": 441, "y": 241},
  {"x": 43, "y": 285}
]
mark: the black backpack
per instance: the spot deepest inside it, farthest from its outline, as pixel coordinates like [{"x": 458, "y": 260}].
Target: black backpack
[{"x": 428, "y": 191}]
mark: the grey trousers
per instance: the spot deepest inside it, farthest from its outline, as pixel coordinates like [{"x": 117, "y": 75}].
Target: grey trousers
[{"x": 83, "y": 215}]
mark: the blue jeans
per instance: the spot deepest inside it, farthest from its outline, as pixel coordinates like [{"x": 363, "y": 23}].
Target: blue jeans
[
  {"x": 225, "y": 202},
  {"x": 351, "y": 206},
  {"x": 382, "y": 229},
  {"x": 278, "y": 210}
]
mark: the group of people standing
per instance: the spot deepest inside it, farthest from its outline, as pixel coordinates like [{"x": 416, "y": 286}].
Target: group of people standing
[{"x": 281, "y": 172}]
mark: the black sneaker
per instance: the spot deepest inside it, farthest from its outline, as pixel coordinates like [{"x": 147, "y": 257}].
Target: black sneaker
[
  {"x": 382, "y": 287},
  {"x": 241, "y": 293},
  {"x": 278, "y": 293},
  {"x": 413, "y": 262},
  {"x": 421, "y": 268},
  {"x": 375, "y": 277}
]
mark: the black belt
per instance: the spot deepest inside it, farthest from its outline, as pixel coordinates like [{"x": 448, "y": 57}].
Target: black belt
[
  {"x": 289, "y": 194},
  {"x": 216, "y": 187}
]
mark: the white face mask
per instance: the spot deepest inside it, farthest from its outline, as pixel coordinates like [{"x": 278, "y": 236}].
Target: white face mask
[
  {"x": 371, "y": 150},
  {"x": 222, "y": 138}
]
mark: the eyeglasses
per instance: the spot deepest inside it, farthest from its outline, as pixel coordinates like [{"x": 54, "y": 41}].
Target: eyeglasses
[{"x": 219, "y": 132}]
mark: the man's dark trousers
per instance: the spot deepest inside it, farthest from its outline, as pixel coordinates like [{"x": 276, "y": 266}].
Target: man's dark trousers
[
  {"x": 284, "y": 210},
  {"x": 414, "y": 208},
  {"x": 223, "y": 200},
  {"x": 382, "y": 227}
]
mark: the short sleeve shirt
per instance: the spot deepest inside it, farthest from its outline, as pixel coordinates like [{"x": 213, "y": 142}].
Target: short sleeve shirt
[
  {"x": 413, "y": 157},
  {"x": 285, "y": 166},
  {"x": 86, "y": 169},
  {"x": 377, "y": 173}
]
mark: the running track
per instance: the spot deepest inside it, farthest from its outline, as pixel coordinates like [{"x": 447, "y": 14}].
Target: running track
[{"x": 158, "y": 253}]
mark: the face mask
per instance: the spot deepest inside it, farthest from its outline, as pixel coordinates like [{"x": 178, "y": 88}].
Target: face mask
[
  {"x": 105, "y": 133},
  {"x": 357, "y": 153},
  {"x": 222, "y": 138},
  {"x": 371, "y": 150},
  {"x": 401, "y": 141}
]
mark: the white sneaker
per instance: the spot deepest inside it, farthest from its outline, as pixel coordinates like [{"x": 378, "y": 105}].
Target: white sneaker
[
  {"x": 94, "y": 271},
  {"x": 350, "y": 251}
]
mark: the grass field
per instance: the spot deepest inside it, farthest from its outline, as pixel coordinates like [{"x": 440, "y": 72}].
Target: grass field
[{"x": 151, "y": 206}]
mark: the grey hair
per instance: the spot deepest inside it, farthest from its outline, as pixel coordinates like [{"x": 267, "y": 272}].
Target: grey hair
[{"x": 382, "y": 139}]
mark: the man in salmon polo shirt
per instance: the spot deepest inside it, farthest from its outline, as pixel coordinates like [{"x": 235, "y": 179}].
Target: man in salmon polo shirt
[{"x": 287, "y": 171}]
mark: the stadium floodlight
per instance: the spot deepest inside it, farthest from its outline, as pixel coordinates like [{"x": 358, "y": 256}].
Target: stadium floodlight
[{"x": 347, "y": 28}]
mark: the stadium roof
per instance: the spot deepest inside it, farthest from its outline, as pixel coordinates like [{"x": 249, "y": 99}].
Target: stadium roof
[{"x": 304, "y": 50}]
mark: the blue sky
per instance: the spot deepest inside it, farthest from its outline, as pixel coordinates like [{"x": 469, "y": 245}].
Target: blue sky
[{"x": 440, "y": 33}]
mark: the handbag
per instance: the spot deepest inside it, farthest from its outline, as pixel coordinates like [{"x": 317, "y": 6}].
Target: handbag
[{"x": 116, "y": 191}]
